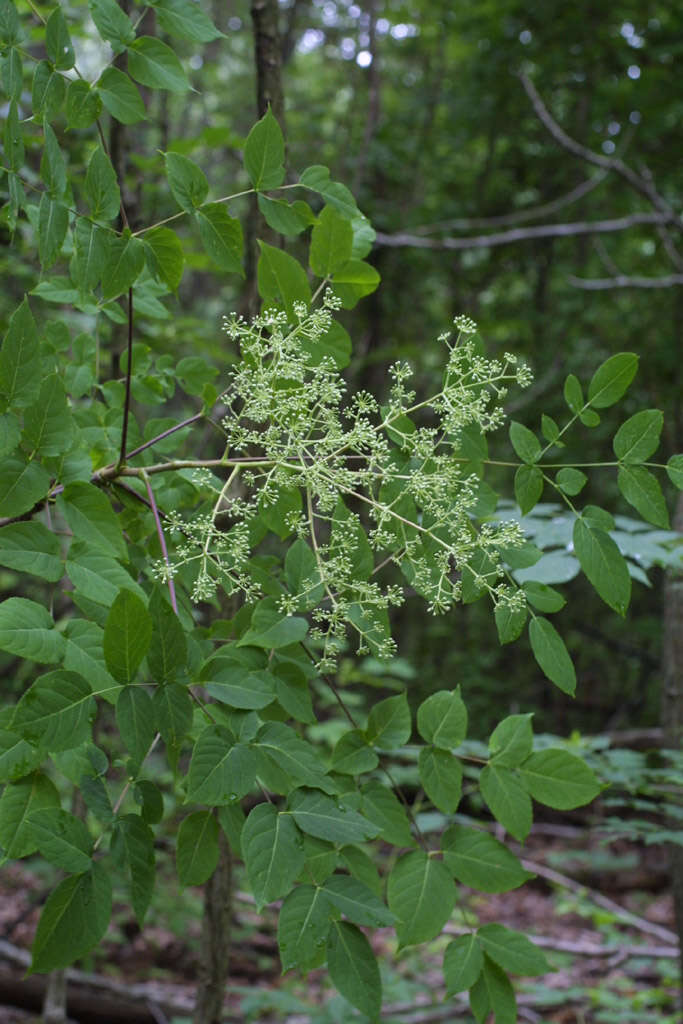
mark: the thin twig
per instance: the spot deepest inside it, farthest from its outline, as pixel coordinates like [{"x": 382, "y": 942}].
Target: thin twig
[
  {"x": 162, "y": 540},
  {"x": 166, "y": 433},
  {"x": 129, "y": 371},
  {"x": 597, "y": 284}
]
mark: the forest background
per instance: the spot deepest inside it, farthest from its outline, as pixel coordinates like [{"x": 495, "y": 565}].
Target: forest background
[{"x": 491, "y": 148}]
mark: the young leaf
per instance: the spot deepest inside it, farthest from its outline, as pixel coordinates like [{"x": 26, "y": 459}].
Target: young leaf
[
  {"x": 101, "y": 187},
  {"x": 508, "y": 801},
  {"x": 511, "y": 950},
  {"x": 331, "y": 242},
  {"x": 221, "y": 237},
  {"x": 153, "y": 63},
  {"x": 528, "y": 487},
  {"x": 187, "y": 181},
  {"x": 272, "y": 849},
  {"x": 20, "y": 360},
  {"x": 281, "y": 279},
  {"x": 31, "y": 547},
  {"x": 303, "y": 575},
  {"x": 510, "y": 622},
  {"x": 354, "y": 281},
  {"x": 27, "y": 630},
  {"x": 543, "y": 597},
  {"x": 573, "y": 394},
  {"x": 271, "y": 629},
  {"x": 524, "y": 441},
  {"x": 638, "y": 438},
  {"x": 127, "y": 635},
  {"x": 317, "y": 178},
  {"x": 570, "y": 480},
  {"x": 288, "y": 219},
  {"x": 462, "y": 963},
  {"x": 611, "y": 379},
  {"x": 353, "y": 968},
  {"x": 421, "y": 894},
  {"x": 319, "y": 815},
  {"x": 442, "y": 719},
  {"x": 642, "y": 490},
  {"x": 120, "y": 97},
  {"x": 480, "y": 861},
  {"x": 74, "y": 919},
  {"x": 603, "y": 564},
  {"x": 302, "y": 926},
  {"x": 19, "y": 801},
  {"x": 185, "y": 20},
  {"x": 264, "y": 154},
  {"x": 559, "y": 779},
  {"x": 441, "y": 776},
  {"x": 197, "y": 851},
  {"x": 62, "y": 839},
  {"x": 389, "y": 723},
  {"x": 133, "y": 843},
  {"x": 549, "y": 428},
  {"x": 551, "y": 654}
]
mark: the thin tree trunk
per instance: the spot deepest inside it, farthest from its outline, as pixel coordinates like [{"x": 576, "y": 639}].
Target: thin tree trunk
[
  {"x": 214, "y": 963},
  {"x": 672, "y": 710}
]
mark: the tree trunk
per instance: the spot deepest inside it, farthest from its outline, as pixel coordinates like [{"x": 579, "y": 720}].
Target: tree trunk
[
  {"x": 215, "y": 951},
  {"x": 672, "y": 709}
]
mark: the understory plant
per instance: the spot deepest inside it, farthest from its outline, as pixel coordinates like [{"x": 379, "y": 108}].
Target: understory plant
[{"x": 185, "y": 582}]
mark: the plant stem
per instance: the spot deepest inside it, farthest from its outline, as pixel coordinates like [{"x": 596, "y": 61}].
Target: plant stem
[{"x": 129, "y": 371}]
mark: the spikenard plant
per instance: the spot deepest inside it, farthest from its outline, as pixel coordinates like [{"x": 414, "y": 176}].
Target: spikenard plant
[{"x": 315, "y": 512}]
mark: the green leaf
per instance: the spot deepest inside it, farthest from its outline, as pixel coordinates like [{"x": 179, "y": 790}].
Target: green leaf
[
  {"x": 84, "y": 655},
  {"x": 48, "y": 426},
  {"x": 528, "y": 487},
  {"x": 53, "y": 221},
  {"x": 303, "y": 575},
  {"x": 173, "y": 711},
  {"x": 331, "y": 242},
  {"x": 168, "y": 647},
  {"x": 120, "y": 97},
  {"x": 187, "y": 181},
  {"x": 637, "y": 438},
  {"x": 543, "y": 597},
  {"x": 153, "y": 63},
  {"x": 221, "y": 770},
  {"x": 74, "y": 919},
  {"x": 291, "y": 689},
  {"x": 197, "y": 851},
  {"x": 551, "y": 654},
  {"x": 112, "y": 24},
  {"x": 512, "y": 951},
  {"x": 383, "y": 808},
  {"x": 573, "y": 394},
  {"x": 603, "y": 564},
  {"x": 62, "y": 839},
  {"x": 167, "y": 258},
  {"x": 319, "y": 815},
  {"x": 48, "y": 91},
  {"x": 511, "y": 741},
  {"x": 133, "y": 844},
  {"x": 90, "y": 254},
  {"x": 480, "y": 861},
  {"x": 97, "y": 577},
  {"x": 352, "y": 755},
  {"x": 90, "y": 515},
  {"x": 53, "y": 165},
  {"x": 507, "y": 800},
  {"x": 353, "y": 968},
  {"x": 349, "y": 540},
  {"x": 221, "y": 237},
  {"x": 10, "y": 26},
  {"x": 293, "y": 755},
  {"x": 10, "y": 433},
  {"x": 20, "y": 362},
  {"x": 441, "y": 777},
  {"x": 354, "y": 281},
  {"x": 549, "y": 428},
  {"x": 495, "y": 993},
  {"x": 185, "y": 20},
  {"x": 264, "y": 154},
  {"x": 273, "y": 853},
  {"x": 421, "y": 894},
  {"x": 125, "y": 260},
  {"x": 642, "y": 490},
  {"x": 127, "y": 635},
  {"x": 462, "y": 963},
  {"x": 101, "y": 187},
  {"x": 570, "y": 480},
  {"x": 302, "y": 926},
  {"x": 317, "y": 178},
  {"x": 27, "y": 630},
  {"x": 442, "y": 719},
  {"x": 19, "y": 801},
  {"x": 389, "y": 724},
  {"x": 83, "y": 105},
  {"x": 135, "y": 720},
  {"x": 281, "y": 279},
  {"x": 288, "y": 219},
  {"x": 335, "y": 345},
  {"x": 17, "y": 757},
  {"x": 22, "y": 485},
  {"x": 611, "y": 379},
  {"x": 230, "y": 683},
  {"x": 559, "y": 779},
  {"x": 674, "y": 469},
  {"x": 510, "y": 621},
  {"x": 524, "y": 441},
  {"x": 30, "y": 547},
  {"x": 152, "y": 803},
  {"x": 56, "y": 711},
  {"x": 58, "y": 41},
  {"x": 13, "y": 139},
  {"x": 357, "y": 902},
  {"x": 271, "y": 629}
]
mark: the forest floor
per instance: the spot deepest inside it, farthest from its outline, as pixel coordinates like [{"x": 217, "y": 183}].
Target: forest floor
[{"x": 602, "y": 913}]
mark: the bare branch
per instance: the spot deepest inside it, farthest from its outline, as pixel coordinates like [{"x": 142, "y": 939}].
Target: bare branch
[
  {"x": 598, "y": 284},
  {"x": 523, "y": 234}
]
